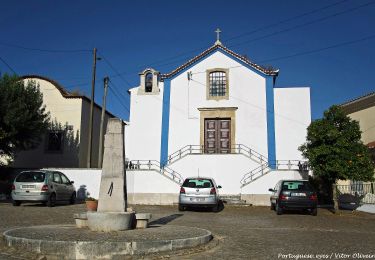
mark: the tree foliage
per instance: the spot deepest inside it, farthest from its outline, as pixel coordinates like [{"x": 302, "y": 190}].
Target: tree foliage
[
  {"x": 335, "y": 150},
  {"x": 23, "y": 117}
]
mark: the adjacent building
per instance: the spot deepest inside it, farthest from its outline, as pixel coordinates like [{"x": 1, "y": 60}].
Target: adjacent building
[
  {"x": 362, "y": 109},
  {"x": 65, "y": 144}
]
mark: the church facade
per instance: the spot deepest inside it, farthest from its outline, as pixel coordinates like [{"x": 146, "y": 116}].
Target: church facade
[{"x": 218, "y": 115}]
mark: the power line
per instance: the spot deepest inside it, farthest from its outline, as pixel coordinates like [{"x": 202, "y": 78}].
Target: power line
[
  {"x": 305, "y": 52},
  {"x": 118, "y": 99},
  {"x": 288, "y": 29},
  {"x": 117, "y": 89},
  {"x": 77, "y": 85},
  {"x": 260, "y": 108},
  {"x": 305, "y": 24},
  {"x": 117, "y": 92},
  {"x": 282, "y": 57},
  {"x": 286, "y": 20},
  {"x": 43, "y": 50},
  {"x": 9, "y": 67},
  {"x": 321, "y": 49},
  {"x": 115, "y": 70},
  {"x": 261, "y": 29}
]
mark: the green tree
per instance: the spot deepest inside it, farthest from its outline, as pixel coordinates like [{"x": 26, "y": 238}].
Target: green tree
[
  {"x": 23, "y": 117},
  {"x": 335, "y": 150}
]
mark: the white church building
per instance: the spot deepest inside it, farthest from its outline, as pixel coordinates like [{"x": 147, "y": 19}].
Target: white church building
[{"x": 217, "y": 115}]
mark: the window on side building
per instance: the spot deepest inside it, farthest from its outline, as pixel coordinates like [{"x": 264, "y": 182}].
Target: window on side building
[{"x": 54, "y": 141}]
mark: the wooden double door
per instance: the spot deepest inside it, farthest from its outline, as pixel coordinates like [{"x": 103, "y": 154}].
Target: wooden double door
[{"x": 217, "y": 135}]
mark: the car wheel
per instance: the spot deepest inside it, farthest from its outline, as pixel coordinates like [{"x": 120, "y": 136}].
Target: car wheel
[
  {"x": 279, "y": 211},
  {"x": 314, "y": 211},
  {"x": 272, "y": 206},
  {"x": 181, "y": 208},
  {"x": 51, "y": 200},
  {"x": 73, "y": 199},
  {"x": 16, "y": 203}
]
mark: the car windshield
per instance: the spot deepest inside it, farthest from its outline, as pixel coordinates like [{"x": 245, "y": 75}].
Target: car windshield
[
  {"x": 31, "y": 177},
  {"x": 198, "y": 183},
  {"x": 297, "y": 185}
]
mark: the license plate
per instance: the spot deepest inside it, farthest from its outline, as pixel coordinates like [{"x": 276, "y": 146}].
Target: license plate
[
  {"x": 27, "y": 187},
  {"x": 199, "y": 199},
  {"x": 295, "y": 194}
]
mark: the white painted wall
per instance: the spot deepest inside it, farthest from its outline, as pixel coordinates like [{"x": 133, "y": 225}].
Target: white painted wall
[
  {"x": 88, "y": 177},
  {"x": 292, "y": 117},
  {"x": 246, "y": 91},
  {"x": 150, "y": 182},
  {"x": 227, "y": 170},
  {"x": 144, "y": 131}
]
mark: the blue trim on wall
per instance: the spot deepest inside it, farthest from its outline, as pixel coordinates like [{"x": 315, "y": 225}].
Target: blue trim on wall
[
  {"x": 270, "y": 123},
  {"x": 165, "y": 123},
  {"x": 226, "y": 54},
  {"x": 269, "y": 100}
]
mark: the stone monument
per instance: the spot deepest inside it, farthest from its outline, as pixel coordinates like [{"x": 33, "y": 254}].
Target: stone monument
[
  {"x": 78, "y": 242},
  {"x": 112, "y": 214}
]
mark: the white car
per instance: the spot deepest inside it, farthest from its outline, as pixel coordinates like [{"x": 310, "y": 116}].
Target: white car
[{"x": 199, "y": 192}]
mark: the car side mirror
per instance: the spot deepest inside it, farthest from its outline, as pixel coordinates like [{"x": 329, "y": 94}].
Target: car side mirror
[
  {"x": 71, "y": 182},
  {"x": 271, "y": 190},
  {"x": 219, "y": 187}
]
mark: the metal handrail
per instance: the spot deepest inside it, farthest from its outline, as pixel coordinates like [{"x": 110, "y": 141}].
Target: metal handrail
[
  {"x": 277, "y": 165},
  {"x": 153, "y": 165},
  {"x": 199, "y": 149}
]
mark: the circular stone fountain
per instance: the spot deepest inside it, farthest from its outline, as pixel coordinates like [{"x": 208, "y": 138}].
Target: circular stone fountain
[{"x": 70, "y": 242}]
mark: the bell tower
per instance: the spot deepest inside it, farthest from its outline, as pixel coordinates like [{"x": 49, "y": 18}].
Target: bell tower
[{"x": 149, "y": 82}]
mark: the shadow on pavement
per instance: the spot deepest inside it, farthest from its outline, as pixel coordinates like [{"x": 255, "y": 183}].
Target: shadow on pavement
[
  {"x": 207, "y": 209},
  {"x": 165, "y": 220}
]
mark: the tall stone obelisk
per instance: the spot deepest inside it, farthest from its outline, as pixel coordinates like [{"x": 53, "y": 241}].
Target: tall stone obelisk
[
  {"x": 112, "y": 194},
  {"x": 111, "y": 214}
]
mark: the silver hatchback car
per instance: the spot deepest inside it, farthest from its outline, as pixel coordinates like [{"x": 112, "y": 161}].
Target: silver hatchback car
[
  {"x": 199, "y": 192},
  {"x": 42, "y": 186}
]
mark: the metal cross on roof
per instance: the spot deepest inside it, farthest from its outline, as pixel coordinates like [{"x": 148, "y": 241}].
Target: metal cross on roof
[{"x": 218, "y": 31}]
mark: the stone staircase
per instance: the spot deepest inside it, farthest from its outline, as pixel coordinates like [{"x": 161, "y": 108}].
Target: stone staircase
[
  {"x": 264, "y": 167},
  {"x": 232, "y": 199},
  {"x": 153, "y": 165},
  {"x": 199, "y": 149},
  {"x": 279, "y": 165}
]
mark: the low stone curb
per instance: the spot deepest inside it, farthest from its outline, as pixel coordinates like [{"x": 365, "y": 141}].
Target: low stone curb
[{"x": 102, "y": 249}]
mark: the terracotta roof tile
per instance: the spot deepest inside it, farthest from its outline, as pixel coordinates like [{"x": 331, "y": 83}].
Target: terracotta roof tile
[
  {"x": 63, "y": 91},
  {"x": 371, "y": 145},
  {"x": 358, "y": 99},
  {"x": 266, "y": 71}
]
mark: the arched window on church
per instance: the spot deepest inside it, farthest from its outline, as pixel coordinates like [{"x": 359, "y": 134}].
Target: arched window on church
[
  {"x": 217, "y": 84},
  {"x": 148, "y": 81}
]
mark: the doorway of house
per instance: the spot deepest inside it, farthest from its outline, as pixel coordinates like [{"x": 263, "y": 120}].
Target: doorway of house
[{"x": 217, "y": 135}]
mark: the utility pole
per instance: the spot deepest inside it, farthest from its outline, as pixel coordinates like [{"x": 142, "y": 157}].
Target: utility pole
[
  {"x": 91, "y": 120},
  {"x": 101, "y": 135}
]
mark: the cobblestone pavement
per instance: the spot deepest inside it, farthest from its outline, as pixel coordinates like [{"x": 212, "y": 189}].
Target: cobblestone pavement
[{"x": 240, "y": 232}]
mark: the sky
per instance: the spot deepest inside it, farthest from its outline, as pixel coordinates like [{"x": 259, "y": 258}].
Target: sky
[{"x": 325, "y": 45}]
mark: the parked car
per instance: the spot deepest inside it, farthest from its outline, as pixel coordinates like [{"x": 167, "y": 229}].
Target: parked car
[
  {"x": 42, "y": 186},
  {"x": 293, "y": 194},
  {"x": 349, "y": 201},
  {"x": 199, "y": 192}
]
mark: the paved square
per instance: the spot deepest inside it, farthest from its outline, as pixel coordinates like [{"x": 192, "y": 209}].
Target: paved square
[{"x": 241, "y": 232}]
